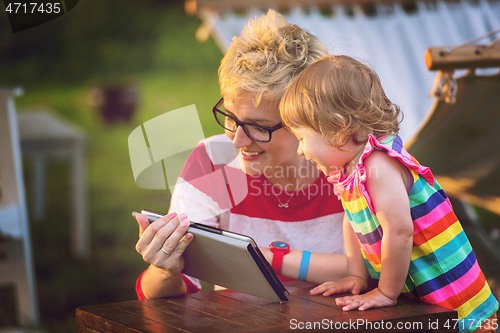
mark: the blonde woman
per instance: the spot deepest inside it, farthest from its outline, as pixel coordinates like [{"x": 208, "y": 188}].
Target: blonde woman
[{"x": 288, "y": 199}]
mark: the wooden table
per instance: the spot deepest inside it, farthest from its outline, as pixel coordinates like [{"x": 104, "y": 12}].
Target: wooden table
[{"x": 230, "y": 311}]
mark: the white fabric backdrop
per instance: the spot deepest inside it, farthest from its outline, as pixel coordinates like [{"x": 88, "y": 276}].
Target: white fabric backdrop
[{"x": 392, "y": 42}]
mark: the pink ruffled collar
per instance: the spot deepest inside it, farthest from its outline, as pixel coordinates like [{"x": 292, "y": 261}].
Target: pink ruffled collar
[{"x": 342, "y": 181}]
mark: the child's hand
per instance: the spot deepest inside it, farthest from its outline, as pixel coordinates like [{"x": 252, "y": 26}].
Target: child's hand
[
  {"x": 349, "y": 284},
  {"x": 372, "y": 299}
]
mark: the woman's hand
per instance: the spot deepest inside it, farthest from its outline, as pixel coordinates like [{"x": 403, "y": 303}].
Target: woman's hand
[
  {"x": 349, "y": 284},
  {"x": 372, "y": 299},
  {"x": 167, "y": 233}
]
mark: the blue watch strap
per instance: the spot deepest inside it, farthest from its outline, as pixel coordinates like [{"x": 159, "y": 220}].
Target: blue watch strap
[{"x": 304, "y": 265}]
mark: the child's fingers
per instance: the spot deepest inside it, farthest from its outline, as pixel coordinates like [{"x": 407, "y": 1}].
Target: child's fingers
[
  {"x": 322, "y": 288},
  {"x": 372, "y": 299},
  {"x": 357, "y": 288},
  {"x": 330, "y": 288},
  {"x": 334, "y": 290},
  {"x": 366, "y": 306},
  {"x": 349, "y": 302}
]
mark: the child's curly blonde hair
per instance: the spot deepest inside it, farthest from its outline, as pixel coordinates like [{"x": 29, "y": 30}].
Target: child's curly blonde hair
[
  {"x": 340, "y": 98},
  {"x": 266, "y": 58}
]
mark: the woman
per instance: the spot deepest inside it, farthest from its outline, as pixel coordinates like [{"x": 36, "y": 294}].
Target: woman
[{"x": 285, "y": 198}]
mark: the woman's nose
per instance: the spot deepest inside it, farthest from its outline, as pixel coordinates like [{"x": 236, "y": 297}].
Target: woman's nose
[{"x": 241, "y": 139}]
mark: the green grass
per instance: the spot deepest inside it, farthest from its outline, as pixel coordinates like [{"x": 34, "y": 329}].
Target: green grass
[{"x": 183, "y": 72}]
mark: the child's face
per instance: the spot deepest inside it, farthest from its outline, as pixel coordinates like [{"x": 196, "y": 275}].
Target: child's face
[{"x": 328, "y": 159}]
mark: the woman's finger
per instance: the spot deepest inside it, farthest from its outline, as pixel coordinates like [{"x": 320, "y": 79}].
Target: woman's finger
[
  {"x": 166, "y": 236},
  {"x": 144, "y": 242},
  {"x": 181, "y": 247},
  {"x": 156, "y": 233},
  {"x": 172, "y": 241},
  {"x": 143, "y": 223},
  {"x": 171, "y": 257}
]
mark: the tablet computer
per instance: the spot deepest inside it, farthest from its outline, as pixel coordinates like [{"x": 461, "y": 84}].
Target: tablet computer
[{"x": 230, "y": 260}]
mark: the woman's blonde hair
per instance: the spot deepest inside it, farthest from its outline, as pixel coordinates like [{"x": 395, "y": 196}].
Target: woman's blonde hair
[
  {"x": 340, "y": 98},
  {"x": 266, "y": 58}
]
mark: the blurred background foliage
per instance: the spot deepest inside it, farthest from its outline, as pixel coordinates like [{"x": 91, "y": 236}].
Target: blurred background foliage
[
  {"x": 149, "y": 45},
  {"x": 102, "y": 40}
]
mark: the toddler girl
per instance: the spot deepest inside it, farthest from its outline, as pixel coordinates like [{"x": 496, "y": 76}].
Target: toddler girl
[{"x": 399, "y": 225}]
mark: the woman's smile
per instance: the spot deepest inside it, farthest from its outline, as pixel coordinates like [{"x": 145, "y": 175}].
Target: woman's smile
[{"x": 251, "y": 155}]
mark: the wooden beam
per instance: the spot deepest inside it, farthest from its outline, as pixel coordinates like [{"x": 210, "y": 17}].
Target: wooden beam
[{"x": 470, "y": 56}]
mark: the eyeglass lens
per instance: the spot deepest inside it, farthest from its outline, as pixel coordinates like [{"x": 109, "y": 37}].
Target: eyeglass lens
[{"x": 255, "y": 133}]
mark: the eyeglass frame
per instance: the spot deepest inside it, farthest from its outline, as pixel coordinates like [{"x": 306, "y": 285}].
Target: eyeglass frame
[{"x": 242, "y": 124}]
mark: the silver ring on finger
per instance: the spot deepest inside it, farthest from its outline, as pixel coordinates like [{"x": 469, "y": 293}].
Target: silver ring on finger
[{"x": 165, "y": 251}]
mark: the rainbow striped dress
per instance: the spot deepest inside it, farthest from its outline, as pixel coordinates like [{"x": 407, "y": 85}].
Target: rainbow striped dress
[{"x": 443, "y": 268}]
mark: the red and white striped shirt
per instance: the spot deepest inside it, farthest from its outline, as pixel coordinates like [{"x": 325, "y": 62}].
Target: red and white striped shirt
[{"x": 212, "y": 189}]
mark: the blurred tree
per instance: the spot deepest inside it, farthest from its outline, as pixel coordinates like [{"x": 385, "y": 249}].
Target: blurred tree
[{"x": 106, "y": 38}]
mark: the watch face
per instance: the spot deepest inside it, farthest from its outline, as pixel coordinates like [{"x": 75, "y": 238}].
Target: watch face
[{"x": 280, "y": 245}]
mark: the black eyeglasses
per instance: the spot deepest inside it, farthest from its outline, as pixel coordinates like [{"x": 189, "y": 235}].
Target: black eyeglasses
[{"x": 255, "y": 132}]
